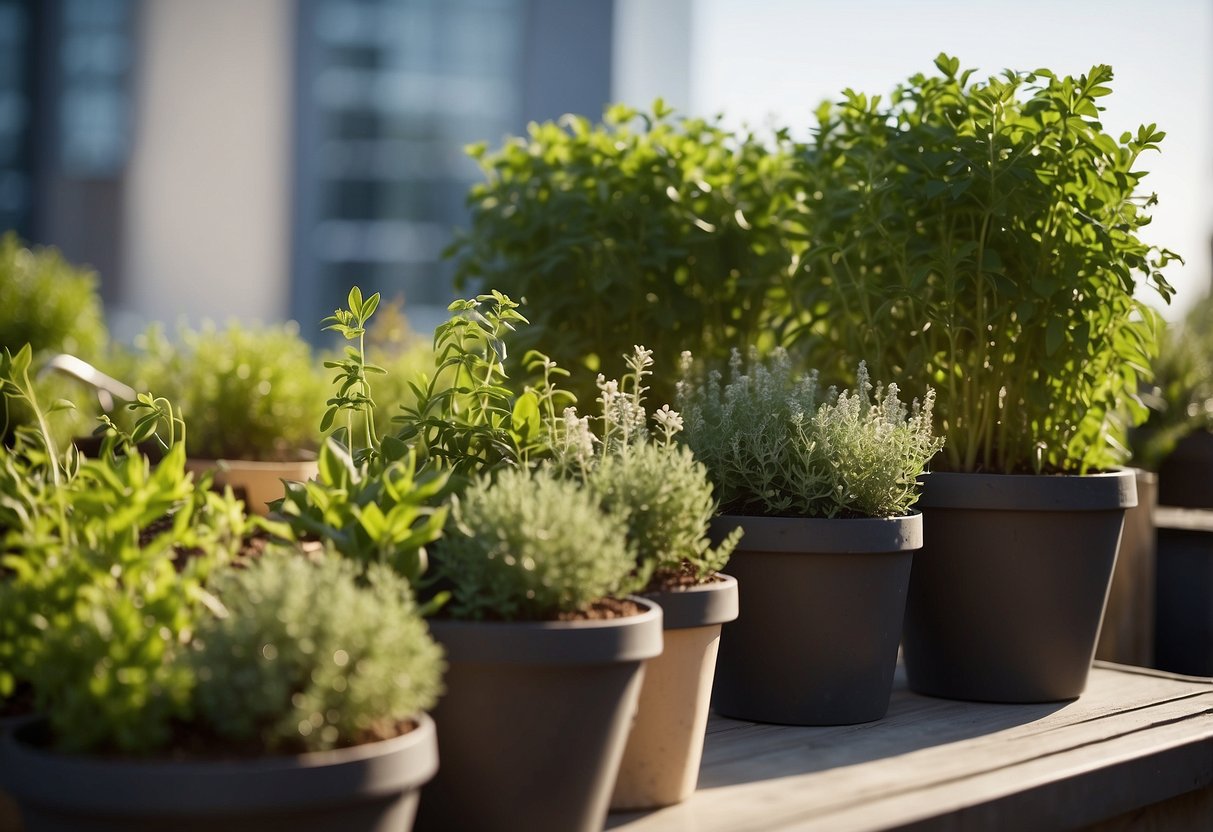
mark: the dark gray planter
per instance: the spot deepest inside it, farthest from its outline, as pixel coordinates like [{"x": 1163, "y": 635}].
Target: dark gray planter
[
  {"x": 534, "y": 720},
  {"x": 1007, "y": 595},
  {"x": 10, "y": 817},
  {"x": 365, "y": 787},
  {"x": 823, "y": 603},
  {"x": 1184, "y": 587},
  {"x": 1185, "y": 477}
]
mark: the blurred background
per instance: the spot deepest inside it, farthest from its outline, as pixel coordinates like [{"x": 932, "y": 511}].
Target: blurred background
[{"x": 254, "y": 158}]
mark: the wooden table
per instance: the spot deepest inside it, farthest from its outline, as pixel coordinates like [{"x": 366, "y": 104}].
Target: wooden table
[{"x": 1134, "y": 752}]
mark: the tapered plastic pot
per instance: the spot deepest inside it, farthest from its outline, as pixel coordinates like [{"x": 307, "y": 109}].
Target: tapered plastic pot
[
  {"x": 823, "y": 601},
  {"x": 661, "y": 760},
  {"x": 533, "y": 724},
  {"x": 1008, "y": 594},
  {"x": 372, "y": 788},
  {"x": 256, "y": 483}
]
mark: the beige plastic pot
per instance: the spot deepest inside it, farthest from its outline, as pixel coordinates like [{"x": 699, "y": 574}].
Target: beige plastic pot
[
  {"x": 257, "y": 483},
  {"x": 661, "y": 760}
]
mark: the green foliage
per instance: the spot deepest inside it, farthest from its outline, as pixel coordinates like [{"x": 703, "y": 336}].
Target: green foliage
[
  {"x": 982, "y": 238},
  {"x": 311, "y": 656},
  {"x": 644, "y": 223},
  {"x": 467, "y": 418},
  {"x": 641, "y": 474},
  {"x": 776, "y": 444},
  {"x": 48, "y": 303},
  {"x": 531, "y": 546},
  {"x": 368, "y": 499},
  {"x": 245, "y": 393},
  {"x": 1181, "y": 398}
]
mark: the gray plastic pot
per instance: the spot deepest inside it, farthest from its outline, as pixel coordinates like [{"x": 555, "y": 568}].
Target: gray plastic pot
[
  {"x": 661, "y": 761},
  {"x": 534, "y": 720},
  {"x": 373, "y": 787},
  {"x": 1008, "y": 594},
  {"x": 823, "y": 602}
]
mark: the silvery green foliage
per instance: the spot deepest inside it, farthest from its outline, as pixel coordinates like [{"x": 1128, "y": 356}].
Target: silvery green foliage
[
  {"x": 311, "y": 657},
  {"x": 776, "y": 444},
  {"x": 531, "y": 545},
  {"x": 641, "y": 473}
]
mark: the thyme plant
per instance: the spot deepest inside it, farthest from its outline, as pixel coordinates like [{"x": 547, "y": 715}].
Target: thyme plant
[
  {"x": 775, "y": 443},
  {"x": 983, "y": 237}
]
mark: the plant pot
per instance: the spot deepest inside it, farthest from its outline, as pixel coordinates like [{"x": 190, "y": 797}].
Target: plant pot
[
  {"x": 661, "y": 760},
  {"x": 1184, "y": 600},
  {"x": 1007, "y": 596},
  {"x": 256, "y": 483},
  {"x": 364, "y": 787},
  {"x": 1127, "y": 634},
  {"x": 534, "y": 721},
  {"x": 1185, "y": 477},
  {"x": 823, "y": 604}
]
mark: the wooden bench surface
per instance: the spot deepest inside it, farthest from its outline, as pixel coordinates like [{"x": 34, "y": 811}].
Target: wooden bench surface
[{"x": 1136, "y": 737}]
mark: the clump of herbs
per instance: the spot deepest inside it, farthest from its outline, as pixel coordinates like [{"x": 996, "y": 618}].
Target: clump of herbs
[
  {"x": 1180, "y": 400},
  {"x": 245, "y": 393},
  {"x": 105, "y": 563},
  {"x": 469, "y": 417},
  {"x": 775, "y": 443},
  {"x": 530, "y": 545},
  {"x": 681, "y": 223},
  {"x": 640, "y": 472},
  {"x": 312, "y": 654},
  {"x": 371, "y": 498},
  {"x": 982, "y": 237}
]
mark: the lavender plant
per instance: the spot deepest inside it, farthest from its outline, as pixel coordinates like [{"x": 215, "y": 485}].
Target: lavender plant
[{"x": 776, "y": 444}]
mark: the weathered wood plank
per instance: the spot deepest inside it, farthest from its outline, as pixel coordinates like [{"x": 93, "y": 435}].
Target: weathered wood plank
[{"x": 1133, "y": 734}]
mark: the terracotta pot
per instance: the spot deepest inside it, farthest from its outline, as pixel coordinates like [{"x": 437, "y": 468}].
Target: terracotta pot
[
  {"x": 1007, "y": 595},
  {"x": 823, "y": 603},
  {"x": 661, "y": 761},
  {"x": 257, "y": 483},
  {"x": 534, "y": 720},
  {"x": 372, "y": 787}
]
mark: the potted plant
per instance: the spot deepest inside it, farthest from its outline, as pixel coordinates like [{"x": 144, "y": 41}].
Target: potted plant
[
  {"x": 822, "y": 483},
  {"x": 681, "y": 222},
  {"x": 177, "y": 690},
  {"x": 544, "y": 656},
  {"x": 637, "y": 470},
  {"x": 252, "y": 398},
  {"x": 982, "y": 237}
]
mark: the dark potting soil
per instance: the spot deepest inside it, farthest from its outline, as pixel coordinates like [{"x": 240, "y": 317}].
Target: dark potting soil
[
  {"x": 683, "y": 576},
  {"x": 603, "y": 610}
]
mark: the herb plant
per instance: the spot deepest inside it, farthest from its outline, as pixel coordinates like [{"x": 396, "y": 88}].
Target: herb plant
[
  {"x": 245, "y": 393},
  {"x": 531, "y": 546},
  {"x": 679, "y": 224},
  {"x": 982, "y": 237},
  {"x": 105, "y": 562},
  {"x": 370, "y": 499},
  {"x": 775, "y": 443},
  {"x": 1180, "y": 401},
  {"x": 640, "y": 472},
  {"x": 309, "y": 655}
]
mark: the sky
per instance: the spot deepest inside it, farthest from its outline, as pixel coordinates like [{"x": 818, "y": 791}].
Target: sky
[{"x": 763, "y": 62}]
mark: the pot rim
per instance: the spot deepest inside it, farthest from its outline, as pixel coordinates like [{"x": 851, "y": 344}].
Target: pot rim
[
  {"x": 700, "y": 605},
  {"x": 258, "y": 465},
  {"x": 109, "y": 786},
  {"x": 822, "y": 535},
  {"x": 632, "y": 638},
  {"x": 1104, "y": 491}
]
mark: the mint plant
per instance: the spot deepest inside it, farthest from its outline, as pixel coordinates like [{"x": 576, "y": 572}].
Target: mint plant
[
  {"x": 683, "y": 225},
  {"x": 982, "y": 237},
  {"x": 776, "y": 444}
]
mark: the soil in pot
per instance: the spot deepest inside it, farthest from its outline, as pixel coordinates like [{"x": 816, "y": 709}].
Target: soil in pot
[
  {"x": 661, "y": 761},
  {"x": 533, "y": 724},
  {"x": 1008, "y": 594},
  {"x": 823, "y": 601},
  {"x": 372, "y": 787}
]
